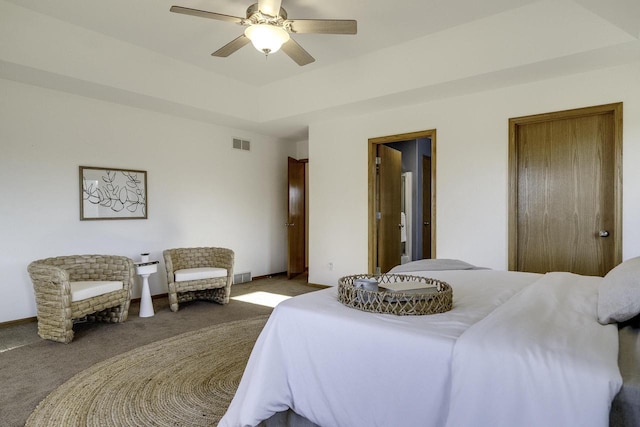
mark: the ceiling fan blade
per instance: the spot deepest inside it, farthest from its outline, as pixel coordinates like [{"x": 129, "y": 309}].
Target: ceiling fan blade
[
  {"x": 323, "y": 26},
  {"x": 269, "y": 7},
  {"x": 297, "y": 53},
  {"x": 205, "y": 14},
  {"x": 231, "y": 47}
]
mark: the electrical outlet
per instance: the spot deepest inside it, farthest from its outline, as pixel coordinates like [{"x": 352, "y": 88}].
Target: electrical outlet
[{"x": 331, "y": 266}]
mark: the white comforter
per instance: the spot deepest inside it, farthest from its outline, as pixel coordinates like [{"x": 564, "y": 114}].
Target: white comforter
[
  {"x": 337, "y": 366},
  {"x": 542, "y": 359}
]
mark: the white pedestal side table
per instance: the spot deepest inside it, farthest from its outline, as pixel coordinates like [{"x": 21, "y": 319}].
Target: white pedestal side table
[{"x": 144, "y": 270}]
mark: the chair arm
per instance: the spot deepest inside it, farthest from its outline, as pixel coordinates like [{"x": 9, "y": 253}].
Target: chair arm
[
  {"x": 168, "y": 264},
  {"x": 50, "y": 283},
  {"x": 40, "y": 273},
  {"x": 223, "y": 258}
]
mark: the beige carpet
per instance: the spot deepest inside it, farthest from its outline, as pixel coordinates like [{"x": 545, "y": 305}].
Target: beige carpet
[{"x": 187, "y": 380}]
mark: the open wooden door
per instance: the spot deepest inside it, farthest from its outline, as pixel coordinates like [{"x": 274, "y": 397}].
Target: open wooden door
[
  {"x": 296, "y": 218},
  {"x": 389, "y": 185}
]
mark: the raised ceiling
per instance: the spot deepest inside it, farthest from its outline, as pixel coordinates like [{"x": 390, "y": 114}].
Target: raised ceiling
[
  {"x": 148, "y": 23},
  {"x": 129, "y": 51}
]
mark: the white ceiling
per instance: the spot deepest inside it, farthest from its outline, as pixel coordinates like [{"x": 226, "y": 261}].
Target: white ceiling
[
  {"x": 149, "y": 24},
  {"x": 390, "y": 33}
]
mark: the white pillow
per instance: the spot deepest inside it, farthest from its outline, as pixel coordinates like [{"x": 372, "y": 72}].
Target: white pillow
[{"x": 619, "y": 293}]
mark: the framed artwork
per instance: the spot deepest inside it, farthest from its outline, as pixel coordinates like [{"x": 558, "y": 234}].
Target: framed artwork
[{"x": 107, "y": 193}]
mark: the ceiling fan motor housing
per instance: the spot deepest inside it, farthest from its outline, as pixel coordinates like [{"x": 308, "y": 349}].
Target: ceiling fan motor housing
[{"x": 256, "y": 17}]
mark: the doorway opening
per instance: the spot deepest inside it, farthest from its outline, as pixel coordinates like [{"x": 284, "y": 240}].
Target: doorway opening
[{"x": 402, "y": 196}]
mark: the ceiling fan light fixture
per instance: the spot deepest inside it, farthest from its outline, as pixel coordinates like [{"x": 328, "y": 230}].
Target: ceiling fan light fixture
[{"x": 267, "y": 38}]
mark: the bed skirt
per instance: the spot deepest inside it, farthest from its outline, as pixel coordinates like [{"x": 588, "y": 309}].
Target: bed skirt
[{"x": 287, "y": 419}]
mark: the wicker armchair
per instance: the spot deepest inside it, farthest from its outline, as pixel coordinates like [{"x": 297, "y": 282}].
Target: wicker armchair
[
  {"x": 198, "y": 273},
  {"x": 59, "y": 301}
]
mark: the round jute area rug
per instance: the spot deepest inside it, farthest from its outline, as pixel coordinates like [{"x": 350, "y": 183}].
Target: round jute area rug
[{"x": 187, "y": 380}]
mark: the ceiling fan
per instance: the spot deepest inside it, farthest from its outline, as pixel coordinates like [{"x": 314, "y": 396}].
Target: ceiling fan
[{"x": 268, "y": 28}]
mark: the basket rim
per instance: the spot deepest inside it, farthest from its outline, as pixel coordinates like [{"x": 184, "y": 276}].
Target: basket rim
[
  {"x": 441, "y": 285},
  {"x": 398, "y": 302}
]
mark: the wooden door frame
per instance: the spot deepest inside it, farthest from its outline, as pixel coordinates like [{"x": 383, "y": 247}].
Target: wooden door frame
[
  {"x": 371, "y": 171},
  {"x": 616, "y": 109}
]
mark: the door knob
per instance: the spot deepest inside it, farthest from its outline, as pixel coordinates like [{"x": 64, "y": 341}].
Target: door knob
[
  {"x": 426, "y": 224},
  {"x": 603, "y": 233}
]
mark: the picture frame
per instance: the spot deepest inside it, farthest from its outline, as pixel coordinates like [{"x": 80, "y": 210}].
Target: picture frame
[{"x": 109, "y": 193}]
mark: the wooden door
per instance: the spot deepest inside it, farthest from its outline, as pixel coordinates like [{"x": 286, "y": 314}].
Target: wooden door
[
  {"x": 566, "y": 191},
  {"x": 426, "y": 207},
  {"x": 296, "y": 218},
  {"x": 389, "y": 207}
]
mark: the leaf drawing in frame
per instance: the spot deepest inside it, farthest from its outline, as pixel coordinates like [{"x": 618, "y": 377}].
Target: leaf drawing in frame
[{"x": 107, "y": 193}]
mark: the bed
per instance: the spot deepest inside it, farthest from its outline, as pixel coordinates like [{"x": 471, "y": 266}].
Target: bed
[{"x": 516, "y": 349}]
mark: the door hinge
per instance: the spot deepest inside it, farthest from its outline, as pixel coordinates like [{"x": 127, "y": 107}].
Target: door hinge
[
  {"x": 378, "y": 216},
  {"x": 378, "y": 160}
]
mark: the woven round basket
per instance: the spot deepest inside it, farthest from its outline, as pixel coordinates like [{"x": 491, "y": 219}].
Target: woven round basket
[{"x": 432, "y": 301}]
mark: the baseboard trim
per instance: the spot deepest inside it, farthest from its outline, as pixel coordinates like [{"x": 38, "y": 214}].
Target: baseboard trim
[
  {"x": 18, "y": 321},
  {"x": 158, "y": 296},
  {"x": 137, "y": 300},
  {"x": 318, "y": 285},
  {"x": 268, "y": 276}
]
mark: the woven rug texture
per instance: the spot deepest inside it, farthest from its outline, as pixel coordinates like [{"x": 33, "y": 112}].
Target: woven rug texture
[{"x": 186, "y": 380}]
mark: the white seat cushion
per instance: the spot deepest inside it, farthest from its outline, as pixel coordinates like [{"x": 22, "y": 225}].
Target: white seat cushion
[
  {"x": 199, "y": 273},
  {"x": 92, "y": 288}
]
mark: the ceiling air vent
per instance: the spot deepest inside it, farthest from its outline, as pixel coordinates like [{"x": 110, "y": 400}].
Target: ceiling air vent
[{"x": 241, "y": 144}]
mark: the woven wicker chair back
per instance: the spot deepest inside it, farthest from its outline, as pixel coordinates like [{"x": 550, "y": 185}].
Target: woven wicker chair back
[{"x": 200, "y": 257}]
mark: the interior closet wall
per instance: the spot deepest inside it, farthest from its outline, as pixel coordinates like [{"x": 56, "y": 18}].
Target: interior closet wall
[{"x": 412, "y": 152}]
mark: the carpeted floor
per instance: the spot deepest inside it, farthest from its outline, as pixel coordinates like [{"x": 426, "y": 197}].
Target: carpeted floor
[{"x": 29, "y": 372}]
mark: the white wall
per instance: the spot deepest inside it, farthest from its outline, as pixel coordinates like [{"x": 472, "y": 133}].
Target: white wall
[
  {"x": 472, "y": 175},
  {"x": 473, "y": 55},
  {"x": 302, "y": 149},
  {"x": 108, "y": 67},
  {"x": 200, "y": 190}
]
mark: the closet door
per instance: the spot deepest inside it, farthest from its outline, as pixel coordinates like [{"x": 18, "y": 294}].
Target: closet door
[{"x": 566, "y": 191}]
